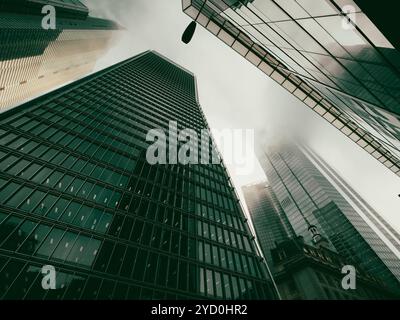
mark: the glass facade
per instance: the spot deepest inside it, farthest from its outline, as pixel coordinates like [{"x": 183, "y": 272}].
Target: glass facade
[
  {"x": 328, "y": 54},
  {"x": 77, "y": 193},
  {"x": 34, "y": 61},
  {"x": 304, "y": 191},
  {"x": 270, "y": 222},
  {"x": 64, "y": 8},
  {"x": 385, "y": 230}
]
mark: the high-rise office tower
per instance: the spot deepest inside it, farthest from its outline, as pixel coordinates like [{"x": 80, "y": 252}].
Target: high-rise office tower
[
  {"x": 34, "y": 60},
  {"x": 327, "y": 53},
  {"x": 305, "y": 271},
  {"x": 310, "y": 196},
  {"x": 269, "y": 220},
  {"x": 78, "y": 193},
  {"x": 370, "y": 214}
]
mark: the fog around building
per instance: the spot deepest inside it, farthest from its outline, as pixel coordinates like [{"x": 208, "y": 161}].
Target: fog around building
[{"x": 234, "y": 94}]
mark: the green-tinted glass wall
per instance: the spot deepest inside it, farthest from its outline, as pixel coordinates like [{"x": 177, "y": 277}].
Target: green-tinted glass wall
[{"x": 77, "y": 193}]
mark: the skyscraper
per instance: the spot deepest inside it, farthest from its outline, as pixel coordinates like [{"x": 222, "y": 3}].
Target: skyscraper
[
  {"x": 369, "y": 213},
  {"x": 78, "y": 193},
  {"x": 34, "y": 60},
  {"x": 65, "y": 8},
  {"x": 304, "y": 271},
  {"x": 309, "y": 198},
  {"x": 328, "y": 53},
  {"x": 270, "y": 222}
]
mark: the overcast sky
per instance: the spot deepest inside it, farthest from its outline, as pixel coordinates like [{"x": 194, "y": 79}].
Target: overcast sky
[{"x": 235, "y": 94}]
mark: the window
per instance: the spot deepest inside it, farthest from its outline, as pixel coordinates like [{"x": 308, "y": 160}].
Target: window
[
  {"x": 293, "y": 8},
  {"x": 207, "y": 253},
  {"x": 128, "y": 263},
  {"x": 8, "y": 227},
  {"x": 20, "y": 235},
  {"x": 64, "y": 246},
  {"x": 8, "y": 162},
  {"x": 235, "y": 287},
  {"x": 31, "y": 170},
  {"x": 227, "y": 287},
  {"x": 19, "y": 197},
  {"x": 50, "y": 243},
  {"x": 151, "y": 267},
  {"x": 323, "y": 8},
  {"x": 172, "y": 273},
  {"x": 210, "y": 282},
  {"x": 202, "y": 283},
  {"x": 346, "y": 37},
  {"x": 58, "y": 208},
  {"x": 116, "y": 259},
  {"x": 205, "y": 230},
  {"x": 42, "y": 175}
]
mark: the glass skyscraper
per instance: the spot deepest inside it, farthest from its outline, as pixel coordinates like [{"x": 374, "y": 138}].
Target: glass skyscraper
[
  {"x": 77, "y": 193},
  {"x": 310, "y": 194},
  {"x": 327, "y": 53},
  {"x": 269, "y": 220},
  {"x": 305, "y": 270},
  {"x": 382, "y": 226},
  {"x": 34, "y": 60}
]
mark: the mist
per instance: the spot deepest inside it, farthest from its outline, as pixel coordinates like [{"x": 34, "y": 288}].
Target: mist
[{"x": 234, "y": 94}]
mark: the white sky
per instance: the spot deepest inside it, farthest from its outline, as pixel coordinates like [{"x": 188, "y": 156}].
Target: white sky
[{"x": 234, "y": 94}]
